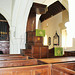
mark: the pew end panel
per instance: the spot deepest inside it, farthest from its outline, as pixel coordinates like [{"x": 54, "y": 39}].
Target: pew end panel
[
  {"x": 27, "y": 70},
  {"x": 18, "y": 63},
  {"x": 14, "y": 58},
  {"x": 63, "y": 69}
]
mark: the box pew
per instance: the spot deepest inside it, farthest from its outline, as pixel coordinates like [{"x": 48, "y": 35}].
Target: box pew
[
  {"x": 4, "y": 55},
  {"x": 63, "y": 69},
  {"x": 16, "y": 63},
  {"x": 26, "y": 70},
  {"x": 54, "y": 66},
  {"x": 24, "y": 67},
  {"x": 14, "y": 58}
]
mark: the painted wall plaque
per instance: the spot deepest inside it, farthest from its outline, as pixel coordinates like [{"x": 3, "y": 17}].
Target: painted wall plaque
[{"x": 56, "y": 39}]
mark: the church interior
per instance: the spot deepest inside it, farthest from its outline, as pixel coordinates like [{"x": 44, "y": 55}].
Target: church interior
[{"x": 37, "y": 37}]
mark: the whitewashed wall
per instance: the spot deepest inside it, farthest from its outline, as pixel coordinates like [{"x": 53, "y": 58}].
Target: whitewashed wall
[
  {"x": 50, "y": 26},
  {"x": 5, "y": 9},
  {"x": 20, "y": 14}
]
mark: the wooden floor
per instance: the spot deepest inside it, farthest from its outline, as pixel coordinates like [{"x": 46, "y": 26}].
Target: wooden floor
[{"x": 58, "y": 60}]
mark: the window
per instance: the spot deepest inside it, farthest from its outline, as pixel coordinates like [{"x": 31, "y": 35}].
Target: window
[{"x": 4, "y": 29}]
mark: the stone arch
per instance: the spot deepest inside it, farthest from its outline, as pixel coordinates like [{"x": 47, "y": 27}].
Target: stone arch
[
  {"x": 4, "y": 13},
  {"x": 19, "y": 21}
]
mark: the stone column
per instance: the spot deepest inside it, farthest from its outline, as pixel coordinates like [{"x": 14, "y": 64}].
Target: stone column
[{"x": 19, "y": 21}]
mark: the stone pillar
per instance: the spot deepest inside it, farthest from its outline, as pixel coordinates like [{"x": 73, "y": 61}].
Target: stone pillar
[{"x": 18, "y": 28}]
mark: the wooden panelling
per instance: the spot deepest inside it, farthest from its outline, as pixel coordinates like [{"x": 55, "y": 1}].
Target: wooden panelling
[
  {"x": 4, "y": 47},
  {"x": 69, "y": 65},
  {"x": 35, "y": 9},
  {"x": 31, "y": 23},
  {"x": 52, "y": 54},
  {"x": 15, "y": 63},
  {"x": 44, "y": 52},
  {"x": 31, "y": 70},
  {"x": 63, "y": 69},
  {"x": 32, "y": 39},
  {"x": 35, "y": 43},
  {"x": 69, "y": 53},
  {"x": 41, "y": 72},
  {"x": 14, "y": 58},
  {"x": 52, "y": 66},
  {"x": 36, "y": 52},
  {"x": 54, "y": 72},
  {"x": 66, "y": 53},
  {"x": 58, "y": 60}
]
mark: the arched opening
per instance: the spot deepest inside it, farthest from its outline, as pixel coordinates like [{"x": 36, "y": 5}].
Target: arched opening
[{"x": 4, "y": 35}]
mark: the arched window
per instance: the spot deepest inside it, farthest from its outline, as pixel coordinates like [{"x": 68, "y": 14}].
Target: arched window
[{"x": 4, "y": 29}]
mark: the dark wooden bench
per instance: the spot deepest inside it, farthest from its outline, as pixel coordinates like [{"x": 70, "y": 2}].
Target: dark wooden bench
[{"x": 63, "y": 69}]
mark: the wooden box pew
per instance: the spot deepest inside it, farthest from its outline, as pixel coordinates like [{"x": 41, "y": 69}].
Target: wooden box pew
[
  {"x": 16, "y": 63},
  {"x": 6, "y": 55},
  {"x": 24, "y": 67},
  {"x": 26, "y": 70},
  {"x": 14, "y": 58},
  {"x": 58, "y": 60},
  {"x": 63, "y": 69}
]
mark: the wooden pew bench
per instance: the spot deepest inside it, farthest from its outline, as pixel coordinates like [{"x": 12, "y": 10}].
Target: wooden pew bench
[
  {"x": 14, "y": 58},
  {"x": 63, "y": 69},
  {"x": 54, "y": 66},
  {"x": 23, "y": 67},
  {"x": 6, "y": 55},
  {"x": 12, "y": 61},
  {"x": 16, "y": 63},
  {"x": 26, "y": 70}
]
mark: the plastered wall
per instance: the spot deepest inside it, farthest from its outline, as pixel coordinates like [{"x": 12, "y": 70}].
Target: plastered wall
[{"x": 51, "y": 25}]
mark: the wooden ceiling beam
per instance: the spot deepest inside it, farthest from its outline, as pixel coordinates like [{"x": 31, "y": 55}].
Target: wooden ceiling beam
[{"x": 53, "y": 9}]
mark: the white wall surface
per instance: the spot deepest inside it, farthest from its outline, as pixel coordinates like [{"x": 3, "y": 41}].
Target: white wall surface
[
  {"x": 20, "y": 14},
  {"x": 51, "y": 25},
  {"x": 71, "y": 26},
  {"x": 5, "y": 9}
]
